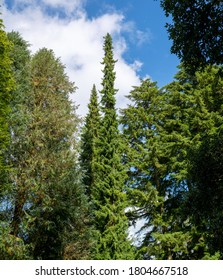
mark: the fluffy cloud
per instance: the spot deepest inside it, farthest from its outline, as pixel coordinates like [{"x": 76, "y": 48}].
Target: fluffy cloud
[
  {"x": 69, "y": 4},
  {"x": 77, "y": 40}
]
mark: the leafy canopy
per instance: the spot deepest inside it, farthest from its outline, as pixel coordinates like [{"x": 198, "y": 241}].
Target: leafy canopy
[{"x": 196, "y": 31}]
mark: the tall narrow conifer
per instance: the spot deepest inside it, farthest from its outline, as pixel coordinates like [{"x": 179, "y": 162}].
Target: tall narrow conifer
[
  {"x": 108, "y": 193},
  {"x": 88, "y": 143}
]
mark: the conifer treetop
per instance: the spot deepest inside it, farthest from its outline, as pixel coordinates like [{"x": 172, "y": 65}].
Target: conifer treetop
[{"x": 108, "y": 91}]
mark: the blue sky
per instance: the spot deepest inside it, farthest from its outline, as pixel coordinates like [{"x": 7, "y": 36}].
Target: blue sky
[
  {"x": 74, "y": 29},
  {"x": 154, "y": 52}
]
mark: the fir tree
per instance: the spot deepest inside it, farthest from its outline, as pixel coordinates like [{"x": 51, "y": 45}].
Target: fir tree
[
  {"x": 205, "y": 197},
  {"x": 88, "y": 141},
  {"x": 108, "y": 194},
  {"x": 205, "y": 165},
  {"x": 160, "y": 127},
  {"x": 146, "y": 159},
  {"x": 189, "y": 118}
]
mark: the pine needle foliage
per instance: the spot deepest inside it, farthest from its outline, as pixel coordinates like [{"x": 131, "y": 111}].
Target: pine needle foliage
[
  {"x": 90, "y": 133},
  {"x": 109, "y": 198}
]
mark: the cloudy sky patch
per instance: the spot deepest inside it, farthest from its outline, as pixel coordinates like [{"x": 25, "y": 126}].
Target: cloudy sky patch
[
  {"x": 74, "y": 30},
  {"x": 77, "y": 40}
]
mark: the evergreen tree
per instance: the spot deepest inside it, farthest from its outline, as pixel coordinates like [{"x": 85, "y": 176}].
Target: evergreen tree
[
  {"x": 160, "y": 127},
  {"x": 10, "y": 246},
  {"x": 56, "y": 204},
  {"x": 189, "y": 119},
  {"x": 20, "y": 118},
  {"x": 6, "y": 85},
  {"x": 88, "y": 141},
  {"x": 108, "y": 194},
  {"x": 205, "y": 198},
  {"x": 147, "y": 159},
  {"x": 89, "y": 137},
  {"x": 47, "y": 202},
  {"x": 16, "y": 152},
  {"x": 205, "y": 172}
]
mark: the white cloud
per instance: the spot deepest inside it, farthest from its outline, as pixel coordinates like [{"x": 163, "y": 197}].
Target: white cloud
[
  {"x": 143, "y": 37},
  {"x": 136, "y": 65},
  {"x": 65, "y": 3},
  {"x": 67, "y": 6},
  {"x": 78, "y": 41},
  {"x": 137, "y": 36}
]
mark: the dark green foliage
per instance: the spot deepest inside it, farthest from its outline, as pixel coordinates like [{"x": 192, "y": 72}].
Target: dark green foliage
[
  {"x": 6, "y": 85},
  {"x": 88, "y": 142},
  {"x": 56, "y": 203},
  {"x": 191, "y": 117},
  {"x": 17, "y": 150},
  {"x": 205, "y": 200},
  {"x": 45, "y": 209},
  {"x": 142, "y": 129},
  {"x": 10, "y": 246},
  {"x": 196, "y": 31},
  {"x": 109, "y": 199},
  {"x": 20, "y": 117},
  {"x": 152, "y": 185},
  {"x": 144, "y": 158},
  {"x": 160, "y": 127}
]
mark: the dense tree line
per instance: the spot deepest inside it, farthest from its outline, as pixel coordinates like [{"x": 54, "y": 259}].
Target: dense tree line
[{"x": 71, "y": 188}]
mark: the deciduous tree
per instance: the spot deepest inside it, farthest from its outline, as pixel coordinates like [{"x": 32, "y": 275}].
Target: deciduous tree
[{"x": 196, "y": 31}]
